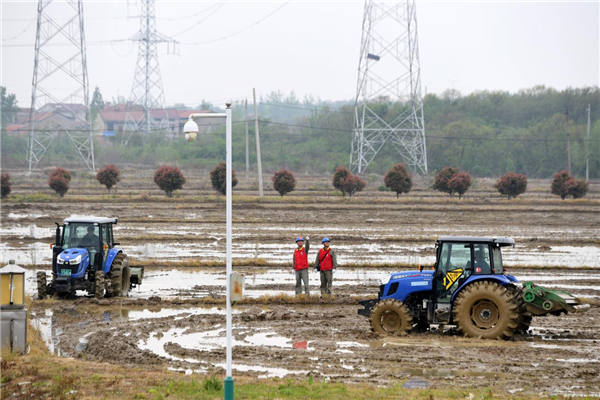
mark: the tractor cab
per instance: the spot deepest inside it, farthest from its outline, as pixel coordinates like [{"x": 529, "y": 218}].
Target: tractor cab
[
  {"x": 460, "y": 260},
  {"x": 85, "y": 242}
]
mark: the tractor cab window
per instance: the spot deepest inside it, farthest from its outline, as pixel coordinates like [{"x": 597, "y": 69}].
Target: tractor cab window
[
  {"x": 105, "y": 235},
  {"x": 497, "y": 258},
  {"x": 454, "y": 266},
  {"x": 81, "y": 235},
  {"x": 482, "y": 263},
  {"x": 111, "y": 238}
]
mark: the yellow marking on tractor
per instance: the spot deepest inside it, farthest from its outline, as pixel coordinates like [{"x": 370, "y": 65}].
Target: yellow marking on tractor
[{"x": 451, "y": 277}]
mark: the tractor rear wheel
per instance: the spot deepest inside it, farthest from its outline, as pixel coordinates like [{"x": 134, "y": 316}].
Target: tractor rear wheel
[
  {"x": 99, "y": 285},
  {"x": 119, "y": 277},
  {"x": 41, "y": 285},
  {"x": 486, "y": 310},
  {"x": 391, "y": 317}
]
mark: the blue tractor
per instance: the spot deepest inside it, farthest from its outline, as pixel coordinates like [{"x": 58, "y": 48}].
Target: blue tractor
[
  {"x": 85, "y": 257},
  {"x": 467, "y": 287}
]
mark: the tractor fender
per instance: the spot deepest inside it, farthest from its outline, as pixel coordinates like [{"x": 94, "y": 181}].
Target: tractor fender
[
  {"x": 112, "y": 253},
  {"x": 502, "y": 280}
]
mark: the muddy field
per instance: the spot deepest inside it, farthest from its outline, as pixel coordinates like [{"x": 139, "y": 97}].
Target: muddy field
[{"x": 176, "y": 318}]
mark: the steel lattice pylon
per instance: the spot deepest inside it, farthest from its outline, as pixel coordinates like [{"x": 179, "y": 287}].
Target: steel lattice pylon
[
  {"x": 389, "y": 76},
  {"x": 59, "y": 98},
  {"x": 147, "y": 90}
]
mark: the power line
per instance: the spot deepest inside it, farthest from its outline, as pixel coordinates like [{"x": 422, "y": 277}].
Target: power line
[
  {"x": 33, "y": 21},
  {"x": 189, "y": 16},
  {"x": 239, "y": 31},
  {"x": 198, "y": 23},
  {"x": 316, "y": 108}
]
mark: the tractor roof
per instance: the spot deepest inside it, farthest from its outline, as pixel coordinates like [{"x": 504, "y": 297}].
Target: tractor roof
[
  {"x": 91, "y": 220},
  {"x": 501, "y": 241}
]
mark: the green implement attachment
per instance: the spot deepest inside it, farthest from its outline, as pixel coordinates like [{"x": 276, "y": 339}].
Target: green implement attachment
[
  {"x": 137, "y": 274},
  {"x": 542, "y": 301}
]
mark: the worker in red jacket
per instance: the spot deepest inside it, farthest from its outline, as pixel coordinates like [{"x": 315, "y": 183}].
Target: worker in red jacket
[
  {"x": 300, "y": 265},
  {"x": 326, "y": 263}
]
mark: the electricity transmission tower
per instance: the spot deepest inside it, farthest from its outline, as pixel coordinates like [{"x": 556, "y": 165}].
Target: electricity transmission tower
[
  {"x": 59, "y": 97},
  {"x": 388, "y": 105},
  {"x": 147, "y": 90}
]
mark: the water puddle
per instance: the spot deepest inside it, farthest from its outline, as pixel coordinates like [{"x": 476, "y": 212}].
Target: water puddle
[{"x": 178, "y": 313}]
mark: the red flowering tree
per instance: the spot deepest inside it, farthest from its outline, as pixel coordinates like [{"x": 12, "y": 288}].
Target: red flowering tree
[
  {"x": 169, "y": 179},
  {"x": 5, "y": 184},
  {"x": 284, "y": 181},
  {"x": 109, "y": 176},
  {"x": 560, "y": 184},
  {"x": 577, "y": 189},
  {"x": 442, "y": 179},
  {"x": 339, "y": 175},
  {"x": 352, "y": 184},
  {"x": 398, "y": 179},
  {"x": 59, "y": 181},
  {"x": 218, "y": 178},
  {"x": 460, "y": 183},
  {"x": 511, "y": 184}
]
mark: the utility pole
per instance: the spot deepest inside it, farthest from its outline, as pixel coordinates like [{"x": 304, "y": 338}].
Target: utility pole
[
  {"x": 247, "y": 143},
  {"x": 60, "y": 81},
  {"x": 258, "y": 159},
  {"x": 389, "y": 67},
  {"x": 568, "y": 141},
  {"x": 147, "y": 90},
  {"x": 587, "y": 148}
]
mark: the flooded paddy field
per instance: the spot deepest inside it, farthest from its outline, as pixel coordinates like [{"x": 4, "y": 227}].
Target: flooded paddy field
[
  {"x": 328, "y": 340},
  {"x": 175, "y": 319}
]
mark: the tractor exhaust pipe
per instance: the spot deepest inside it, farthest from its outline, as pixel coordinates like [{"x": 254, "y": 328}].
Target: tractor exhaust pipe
[{"x": 57, "y": 239}]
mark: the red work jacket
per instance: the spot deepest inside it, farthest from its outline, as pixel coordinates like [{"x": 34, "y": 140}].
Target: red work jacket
[
  {"x": 327, "y": 262},
  {"x": 300, "y": 259}
]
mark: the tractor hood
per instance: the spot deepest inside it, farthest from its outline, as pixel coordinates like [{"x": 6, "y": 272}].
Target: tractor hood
[
  {"x": 72, "y": 256},
  {"x": 407, "y": 275}
]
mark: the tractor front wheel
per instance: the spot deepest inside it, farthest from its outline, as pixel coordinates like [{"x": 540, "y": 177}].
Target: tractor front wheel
[
  {"x": 41, "y": 285},
  {"x": 391, "y": 317},
  {"x": 119, "y": 277},
  {"x": 486, "y": 310},
  {"x": 99, "y": 286}
]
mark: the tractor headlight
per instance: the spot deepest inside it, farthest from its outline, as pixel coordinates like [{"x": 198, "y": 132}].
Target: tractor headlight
[
  {"x": 385, "y": 280},
  {"x": 60, "y": 260},
  {"x": 76, "y": 260}
]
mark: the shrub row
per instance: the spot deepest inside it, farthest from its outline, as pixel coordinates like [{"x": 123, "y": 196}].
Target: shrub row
[{"x": 398, "y": 179}]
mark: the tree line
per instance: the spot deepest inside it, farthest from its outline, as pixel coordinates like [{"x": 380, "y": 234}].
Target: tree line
[
  {"x": 398, "y": 179},
  {"x": 486, "y": 133}
]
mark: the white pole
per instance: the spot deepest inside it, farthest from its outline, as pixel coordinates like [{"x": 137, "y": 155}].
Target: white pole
[
  {"x": 228, "y": 233},
  {"x": 247, "y": 141},
  {"x": 258, "y": 157},
  {"x": 587, "y": 148}
]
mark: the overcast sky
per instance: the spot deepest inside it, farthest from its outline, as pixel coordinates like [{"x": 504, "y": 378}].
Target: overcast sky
[{"x": 313, "y": 47}]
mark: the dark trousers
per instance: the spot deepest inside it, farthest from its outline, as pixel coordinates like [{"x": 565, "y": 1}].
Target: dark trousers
[
  {"x": 326, "y": 281},
  {"x": 302, "y": 276}
]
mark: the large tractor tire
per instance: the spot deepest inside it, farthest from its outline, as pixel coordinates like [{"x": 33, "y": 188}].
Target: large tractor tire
[
  {"x": 525, "y": 316},
  {"x": 486, "y": 310},
  {"x": 391, "y": 317},
  {"x": 99, "y": 285},
  {"x": 41, "y": 285},
  {"x": 119, "y": 277}
]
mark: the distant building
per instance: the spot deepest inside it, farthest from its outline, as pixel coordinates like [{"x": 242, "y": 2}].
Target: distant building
[
  {"x": 108, "y": 121},
  {"x": 115, "y": 118}
]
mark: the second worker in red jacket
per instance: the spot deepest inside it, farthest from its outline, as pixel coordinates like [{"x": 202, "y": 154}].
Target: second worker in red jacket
[{"x": 326, "y": 263}]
